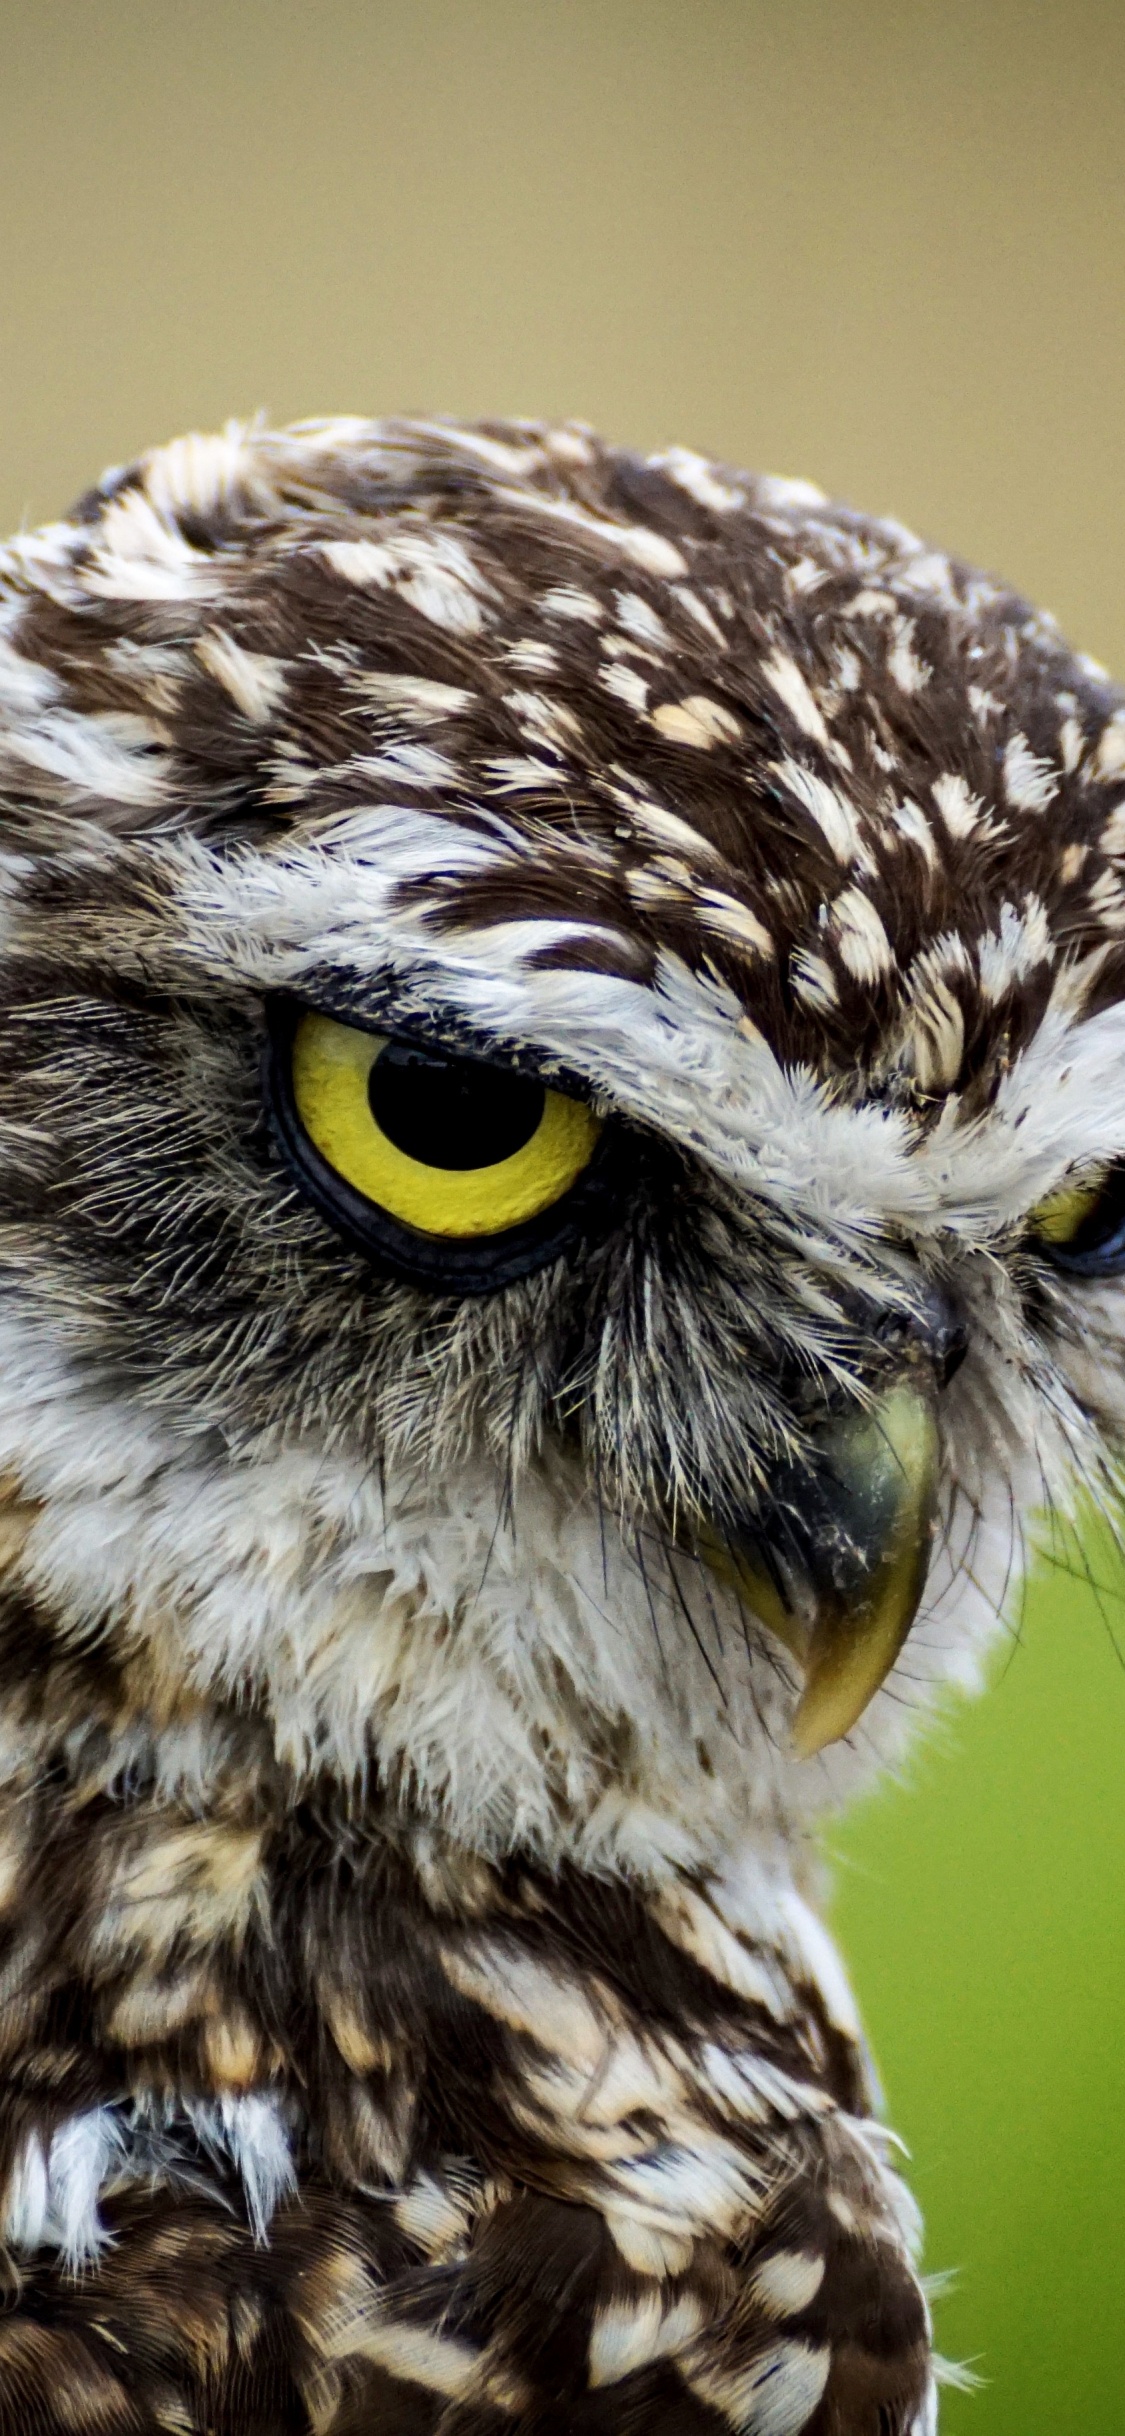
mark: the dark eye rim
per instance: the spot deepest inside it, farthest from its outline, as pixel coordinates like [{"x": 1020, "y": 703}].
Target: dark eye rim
[
  {"x": 481, "y": 1266},
  {"x": 1105, "y": 1255}
]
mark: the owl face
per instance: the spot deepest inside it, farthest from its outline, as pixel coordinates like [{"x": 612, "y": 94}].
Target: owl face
[{"x": 562, "y": 1140}]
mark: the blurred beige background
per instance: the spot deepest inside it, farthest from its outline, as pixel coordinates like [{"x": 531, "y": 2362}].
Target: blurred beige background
[
  {"x": 881, "y": 245},
  {"x": 878, "y": 244}
]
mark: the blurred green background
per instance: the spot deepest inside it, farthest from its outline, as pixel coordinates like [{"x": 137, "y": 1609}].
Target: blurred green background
[
  {"x": 981, "y": 1906},
  {"x": 881, "y": 245}
]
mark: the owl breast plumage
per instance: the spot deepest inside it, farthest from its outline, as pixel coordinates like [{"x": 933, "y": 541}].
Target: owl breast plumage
[{"x": 562, "y": 1200}]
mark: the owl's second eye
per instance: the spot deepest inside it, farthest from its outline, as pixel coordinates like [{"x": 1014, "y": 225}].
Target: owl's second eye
[
  {"x": 450, "y": 1170},
  {"x": 1081, "y": 1227}
]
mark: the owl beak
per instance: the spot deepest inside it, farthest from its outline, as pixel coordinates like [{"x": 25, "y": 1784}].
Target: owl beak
[{"x": 867, "y": 1529}]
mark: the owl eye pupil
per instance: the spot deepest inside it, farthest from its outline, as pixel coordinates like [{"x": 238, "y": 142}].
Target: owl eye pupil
[{"x": 449, "y": 1111}]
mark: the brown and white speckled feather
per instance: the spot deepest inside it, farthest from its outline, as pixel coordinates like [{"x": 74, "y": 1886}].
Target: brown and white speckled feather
[{"x": 413, "y": 2008}]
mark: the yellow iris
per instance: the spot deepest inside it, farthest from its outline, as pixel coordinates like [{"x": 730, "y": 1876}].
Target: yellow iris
[
  {"x": 332, "y": 1066},
  {"x": 1058, "y": 1217}
]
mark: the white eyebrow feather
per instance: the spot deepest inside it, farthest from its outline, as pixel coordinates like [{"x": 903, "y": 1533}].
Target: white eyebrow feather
[{"x": 678, "y": 1053}]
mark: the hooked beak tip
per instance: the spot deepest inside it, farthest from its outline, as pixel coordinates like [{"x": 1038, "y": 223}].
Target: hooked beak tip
[
  {"x": 888, "y": 1461},
  {"x": 880, "y": 1511}
]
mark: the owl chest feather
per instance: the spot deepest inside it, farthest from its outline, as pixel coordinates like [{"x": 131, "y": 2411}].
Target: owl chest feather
[{"x": 306, "y": 2101}]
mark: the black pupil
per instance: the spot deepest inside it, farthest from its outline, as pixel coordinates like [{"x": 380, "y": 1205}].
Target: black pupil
[{"x": 448, "y": 1111}]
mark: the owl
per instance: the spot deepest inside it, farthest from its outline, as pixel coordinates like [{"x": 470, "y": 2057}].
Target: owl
[{"x": 562, "y": 1214}]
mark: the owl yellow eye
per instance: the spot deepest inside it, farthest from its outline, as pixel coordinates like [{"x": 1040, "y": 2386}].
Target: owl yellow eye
[
  {"x": 441, "y": 1143},
  {"x": 1062, "y": 1215},
  {"x": 449, "y": 1168},
  {"x": 1081, "y": 1227}
]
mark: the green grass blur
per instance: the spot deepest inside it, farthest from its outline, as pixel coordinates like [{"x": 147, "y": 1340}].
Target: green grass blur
[{"x": 983, "y": 1911}]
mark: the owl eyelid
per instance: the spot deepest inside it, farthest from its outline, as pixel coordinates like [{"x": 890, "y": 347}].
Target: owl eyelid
[{"x": 436, "y": 1028}]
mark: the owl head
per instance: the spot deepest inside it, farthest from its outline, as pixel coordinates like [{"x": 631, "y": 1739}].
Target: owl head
[{"x": 562, "y": 1146}]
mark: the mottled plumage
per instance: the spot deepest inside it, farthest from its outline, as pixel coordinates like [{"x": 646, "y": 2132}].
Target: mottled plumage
[{"x": 414, "y": 2009}]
